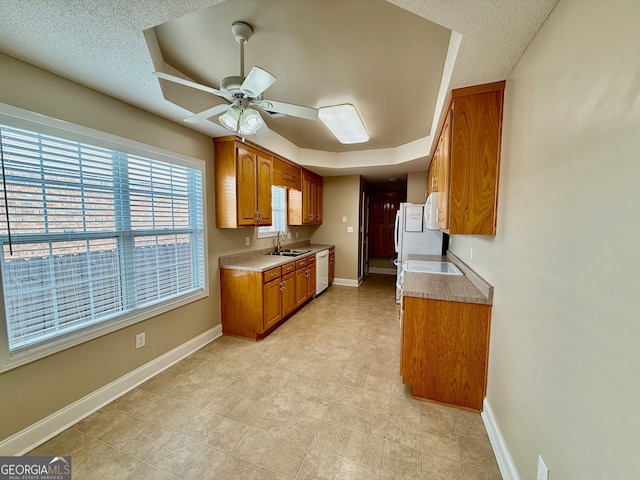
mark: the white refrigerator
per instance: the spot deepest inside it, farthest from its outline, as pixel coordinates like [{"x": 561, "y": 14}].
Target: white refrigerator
[{"x": 413, "y": 237}]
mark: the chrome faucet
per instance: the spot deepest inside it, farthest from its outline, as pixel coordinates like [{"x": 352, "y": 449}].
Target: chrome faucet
[{"x": 279, "y": 235}]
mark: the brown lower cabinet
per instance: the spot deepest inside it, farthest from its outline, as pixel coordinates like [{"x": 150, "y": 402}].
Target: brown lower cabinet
[
  {"x": 252, "y": 303},
  {"x": 444, "y": 350},
  {"x": 305, "y": 279}
]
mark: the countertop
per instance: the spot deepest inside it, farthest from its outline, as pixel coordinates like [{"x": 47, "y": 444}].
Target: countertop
[
  {"x": 467, "y": 288},
  {"x": 259, "y": 261}
]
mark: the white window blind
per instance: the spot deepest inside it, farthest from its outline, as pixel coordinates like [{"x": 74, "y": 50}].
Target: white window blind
[
  {"x": 278, "y": 212},
  {"x": 90, "y": 234}
]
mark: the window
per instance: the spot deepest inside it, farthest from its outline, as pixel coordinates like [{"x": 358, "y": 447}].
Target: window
[
  {"x": 278, "y": 212},
  {"x": 93, "y": 239}
]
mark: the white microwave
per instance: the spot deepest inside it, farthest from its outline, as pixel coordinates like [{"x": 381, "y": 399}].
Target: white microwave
[{"x": 431, "y": 211}]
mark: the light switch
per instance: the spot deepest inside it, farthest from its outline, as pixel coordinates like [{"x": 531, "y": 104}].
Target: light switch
[
  {"x": 349, "y": 229},
  {"x": 344, "y": 219}
]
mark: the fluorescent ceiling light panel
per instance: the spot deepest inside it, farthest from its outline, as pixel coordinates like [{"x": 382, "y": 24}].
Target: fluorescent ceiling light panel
[{"x": 344, "y": 123}]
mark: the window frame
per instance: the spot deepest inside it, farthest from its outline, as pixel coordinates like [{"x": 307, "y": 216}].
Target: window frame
[
  {"x": 19, "y": 118},
  {"x": 262, "y": 232}
]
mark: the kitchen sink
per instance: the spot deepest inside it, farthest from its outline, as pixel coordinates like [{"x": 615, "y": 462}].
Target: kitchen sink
[{"x": 289, "y": 253}]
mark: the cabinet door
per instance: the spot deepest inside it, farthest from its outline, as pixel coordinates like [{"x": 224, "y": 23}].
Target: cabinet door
[
  {"x": 435, "y": 366},
  {"x": 288, "y": 293},
  {"x": 444, "y": 161},
  {"x": 247, "y": 200},
  {"x": 263, "y": 189},
  {"x": 301, "y": 286},
  {"x": 272, "y": 305},
  {"x": 307, "y": 205},
  {"x": 311, "y": 281},
  {"x": 432, "y": 173},
  {"x": 475, "y": 161},
  {"x": 332, "y": 265},
  {"x": 319, "y": 200}
]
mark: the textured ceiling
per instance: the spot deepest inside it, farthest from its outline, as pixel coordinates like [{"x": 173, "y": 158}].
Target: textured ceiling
[{"x": 102, "y": 45}]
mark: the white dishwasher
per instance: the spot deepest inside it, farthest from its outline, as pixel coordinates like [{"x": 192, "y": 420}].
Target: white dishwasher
[{"x": 322, "y": 271}]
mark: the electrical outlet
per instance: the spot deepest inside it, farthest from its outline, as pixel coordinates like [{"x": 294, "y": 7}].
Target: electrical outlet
[
  {"x": 344, "y": 219},
  {"x": 296, "y": 234},
  {"x": 140, "y": 340},
  {"x": 543, "y": 471},
  {"x": 247, "y": 241},
  {"x": 471, "y": 252},
  {"x": 288, "y": 235}
]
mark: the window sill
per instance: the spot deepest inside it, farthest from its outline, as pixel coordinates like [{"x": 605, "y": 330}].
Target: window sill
[{"x": 37, "y": 351}]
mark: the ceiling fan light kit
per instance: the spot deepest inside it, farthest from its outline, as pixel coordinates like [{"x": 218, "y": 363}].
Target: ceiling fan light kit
[
  {"x": 250, "y": 121},
  {"x": 344, "y": 122},
  {"x": 230, "y": 119}
]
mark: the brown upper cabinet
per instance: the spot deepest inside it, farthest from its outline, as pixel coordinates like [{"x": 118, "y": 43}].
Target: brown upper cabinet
[
  {"x": 466, "y": 161},
  {"x": 243, "y": 179},
  {"x": 305, "y": 206},
  {"x": 244, "y": 174}
]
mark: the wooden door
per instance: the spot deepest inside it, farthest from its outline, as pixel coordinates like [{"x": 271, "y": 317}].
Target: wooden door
[
  {"x": 393, "y": 205},
  {"x": 288, "y": 293},
  {"x": 246, "y": 164},
  {"x": 377, "y": 225},
  {"x": 272, "y": 307},
  {"x": 384, "y": 207},
  {"x": 263, "y": 189}
]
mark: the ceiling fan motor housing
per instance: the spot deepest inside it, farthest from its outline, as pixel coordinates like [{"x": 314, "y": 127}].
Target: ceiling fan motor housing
[
  {"x": 241, "y": 31},
  {"x": 232, "y": 85}
]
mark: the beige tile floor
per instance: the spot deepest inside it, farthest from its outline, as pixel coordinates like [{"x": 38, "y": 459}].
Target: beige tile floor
[{"x": 320, "y": 398}]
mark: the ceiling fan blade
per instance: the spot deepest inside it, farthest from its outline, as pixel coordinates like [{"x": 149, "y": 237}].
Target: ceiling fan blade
[
  {"x": 257, "y": 82},
  {"x": 289, "y": 109},
  {"x": 210, "y": 112},
  {"x": 188, "y": 83},
  {"x": 263, "y": 132}
]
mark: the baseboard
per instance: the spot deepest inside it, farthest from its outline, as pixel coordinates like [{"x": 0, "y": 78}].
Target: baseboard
[
  {"x": 500, "y": 449},
  {"x": 345, "y": 282},
  {"x": 41, "y": 431},
  {"x": 383, "y": 271}
]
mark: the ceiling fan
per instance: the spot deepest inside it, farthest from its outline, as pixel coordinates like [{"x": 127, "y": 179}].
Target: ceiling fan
[{"x": 243, "y": 93}]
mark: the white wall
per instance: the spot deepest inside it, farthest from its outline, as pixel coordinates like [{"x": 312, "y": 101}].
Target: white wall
[{"x": 564, "y": 365}]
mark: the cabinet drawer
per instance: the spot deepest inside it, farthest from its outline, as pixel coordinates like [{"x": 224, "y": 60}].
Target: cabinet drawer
[
  {"x": 288, "y": 268},
  {"x": 305, "y": 262},
  {"x": 271, "y": 274}
]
